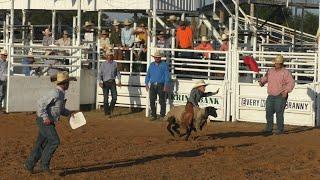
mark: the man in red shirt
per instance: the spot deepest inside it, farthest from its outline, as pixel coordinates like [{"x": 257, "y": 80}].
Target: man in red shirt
[
  {"x": 280, "y": 83},
  {"x": 204, "y": 45}
]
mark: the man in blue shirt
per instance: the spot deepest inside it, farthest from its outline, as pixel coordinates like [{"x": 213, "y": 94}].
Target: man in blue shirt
[
  {"x": 106, "y": 78},
  {"x": 157, "y": 83},
  {"x": 3, "y": 75}
]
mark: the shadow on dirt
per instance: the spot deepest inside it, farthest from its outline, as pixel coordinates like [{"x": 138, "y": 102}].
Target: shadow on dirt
[{"x": 132, "y": 162}]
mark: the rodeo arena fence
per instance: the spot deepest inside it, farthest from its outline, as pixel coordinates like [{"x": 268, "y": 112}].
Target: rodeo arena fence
[{"x": 240, "y": 97}]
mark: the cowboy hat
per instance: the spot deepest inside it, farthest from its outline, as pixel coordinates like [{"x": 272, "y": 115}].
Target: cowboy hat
[
  {"x": 4, "y": 52},
  {"x": 204, "y": 39},
  {"x": 88, "y": 23},
  {"x": 224, "y": 37},
  {"x": 278, "y": 59},
  {"x": 199, "y": 83},
  {"x": 30, "y": 54},
  {"x": 137, "y": 39},
  {"x": 142, "y": 25},
  {"x": 48, "y": 52},
  {"x": 46, "y": 31},
  {"x": 65, "y": 32},
  {"x": 108, "y": 51},
  {"x": 104, "y": 32},
  {"x": 172, "y": 18},
  {"x": 63, "y": 77},
  {"x": 157, "y": 54},
  {"x": 116, "y": 22},
  {"x": 126, "y": 22}
]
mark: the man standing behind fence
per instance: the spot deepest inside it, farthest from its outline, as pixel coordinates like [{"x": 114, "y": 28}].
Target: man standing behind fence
[
  {"x": 106, "y": 77},
  {"x": 3, "y": 75},
  {"x": 280, "y": 83},
  {"x": 157, "y": 83}
]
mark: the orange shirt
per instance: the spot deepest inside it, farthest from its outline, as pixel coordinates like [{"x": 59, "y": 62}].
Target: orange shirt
[
  {"x": 207, "y": 47},
  {"x": 224, "y": 46},
  {"x": 184, "y": 37}
]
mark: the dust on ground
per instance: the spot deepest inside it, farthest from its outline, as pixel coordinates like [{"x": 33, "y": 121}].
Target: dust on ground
[{"x": 131, "y": 147}]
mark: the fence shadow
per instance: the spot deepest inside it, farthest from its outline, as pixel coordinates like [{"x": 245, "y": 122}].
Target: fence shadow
[{"x": 142, "y": 160}]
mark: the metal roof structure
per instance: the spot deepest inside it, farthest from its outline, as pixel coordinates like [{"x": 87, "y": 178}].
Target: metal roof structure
[{"x": 95, "y": 5}]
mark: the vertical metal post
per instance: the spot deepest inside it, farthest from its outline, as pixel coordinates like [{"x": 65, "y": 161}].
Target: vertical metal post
[
  {"x": 23, "y": 28},
  {"x": 98, "y": 58},
  {"x": 229, "y": 104},
  {"x": 53, "y": 21},
  {"x": 74, "y": 27},
  {"x": 148, "y": 61},
  {"x": 78, "y": 23},
  {"x": 7, "y": 30},
  {"x": 11, "y": 51}
]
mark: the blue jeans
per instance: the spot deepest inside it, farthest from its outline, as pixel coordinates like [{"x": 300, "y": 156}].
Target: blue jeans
[
  {"x": 109, "y": 86},
  {"x": 46, "y": 144},
  {"x": 275, "y": 104},
  {"x": 157, "y": 89},
  {"x": 3, "y": 88}
]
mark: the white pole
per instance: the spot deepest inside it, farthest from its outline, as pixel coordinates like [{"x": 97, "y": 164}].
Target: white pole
[
  {"x": 24, "y": 28},
  {"x": 53, "y": 20},
  {"x": 154, "y": 22},
  {"x": 99, "y": 55},
  {"x": 74, "y": 26},
  {"x": 235, "y": 62},
  {"x": 79, "y": 23},
  {"x": 10, "y": 58}
]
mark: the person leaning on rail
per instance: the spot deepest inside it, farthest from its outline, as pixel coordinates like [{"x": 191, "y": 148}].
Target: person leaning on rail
[{"x": 280, "y": 83}]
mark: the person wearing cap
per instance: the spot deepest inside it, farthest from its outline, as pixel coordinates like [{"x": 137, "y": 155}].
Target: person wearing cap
[
  {"x": 26, "y": 70},
  {"x": 47, "y": 38},
  {"x": 204, "y": 45},
  {"x": 115, "y": 41},
  {"x": 225, "y": 43},
  {"x": 173, "y": 21},
  {"x": 280, "y": 83},
  {"x": 107, "y": 74},
  {"x": 49, "y": 109},
  {"x": 104, "y": 39},
  {"x": 3, "y": 74},
  {"x": 197, "y": 92},
  {"x": 184, "y": 38},
  {"x": 64, "y": 40},
  {"x": 164, "y": 42},
  {"x": 127, "y": 38},
  {"x": 157, "y": 83}
]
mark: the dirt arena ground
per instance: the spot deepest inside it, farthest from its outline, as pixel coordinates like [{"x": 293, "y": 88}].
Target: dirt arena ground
[{"x": 131, "y": 147}]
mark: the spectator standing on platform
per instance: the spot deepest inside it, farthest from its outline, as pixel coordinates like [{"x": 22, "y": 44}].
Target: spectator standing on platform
[
  {"x": 225, "y": 43},
  {"x": 50, "y": 108},
  {"x": 204, "y": 45},
  {"x": 64, "y": 40},
  {"x": 104, "y": 39},
  {"x": 184, "y": 39},
  {"x": 106, "y": 78},
  {"x": 47, "y": 38},
  {"x": 157, "y": 83},
  {"x": 127, "y": 38},
  {"x": 115, "y": 41},
  {"x": 280, "y": 83},
  {"x": 142, "y": 33},
  {"x": 3, "y": 75},
  {"x": 173, "y": 22}
]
